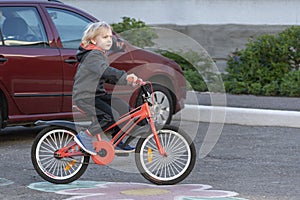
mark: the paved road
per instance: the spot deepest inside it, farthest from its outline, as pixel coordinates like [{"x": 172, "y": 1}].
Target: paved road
[{"x": 259, "y": 163}]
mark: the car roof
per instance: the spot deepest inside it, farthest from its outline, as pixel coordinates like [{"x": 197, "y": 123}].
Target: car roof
[
  {"x": 49, "y": 2},
  {"x": 30, "y": 1}
]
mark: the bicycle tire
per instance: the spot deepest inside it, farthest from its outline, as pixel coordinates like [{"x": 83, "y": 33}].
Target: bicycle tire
[
  {"x": 180, "y": 160},
  {"x": 51, "y": 169}
]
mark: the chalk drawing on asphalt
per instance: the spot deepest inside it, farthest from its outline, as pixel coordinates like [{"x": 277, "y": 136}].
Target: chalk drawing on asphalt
[
  {"x": 134, "y": 191},
  {"x": 5, "y": 182}
]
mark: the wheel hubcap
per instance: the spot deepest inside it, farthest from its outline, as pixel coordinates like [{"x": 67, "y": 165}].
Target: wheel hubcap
[{"x": 161, "y": 107}]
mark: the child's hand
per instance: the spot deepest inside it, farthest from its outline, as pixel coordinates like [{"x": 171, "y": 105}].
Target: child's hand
[{"x": 131, "y": 79}]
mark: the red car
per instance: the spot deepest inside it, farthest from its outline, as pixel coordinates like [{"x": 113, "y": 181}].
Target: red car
[{"x": 39, "y": 40}]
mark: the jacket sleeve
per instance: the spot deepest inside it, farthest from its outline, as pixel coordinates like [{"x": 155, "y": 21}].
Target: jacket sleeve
[
  {"x": 115, "y": 76},
  {"x": 99, "y": 65}
]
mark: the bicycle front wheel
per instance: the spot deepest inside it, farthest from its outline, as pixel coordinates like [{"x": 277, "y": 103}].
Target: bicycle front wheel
[
  {"x": 56, "y": 170},
  {"x": 175, "y": 166}
]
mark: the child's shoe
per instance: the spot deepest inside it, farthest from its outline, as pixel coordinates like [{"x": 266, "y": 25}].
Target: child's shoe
[
  {"x": 127, "y": 149},
  {"x": 84, "y": 140}
]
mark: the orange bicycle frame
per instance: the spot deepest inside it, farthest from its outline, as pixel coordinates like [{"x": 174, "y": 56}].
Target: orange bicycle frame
[{"x": 133, "y": 118}]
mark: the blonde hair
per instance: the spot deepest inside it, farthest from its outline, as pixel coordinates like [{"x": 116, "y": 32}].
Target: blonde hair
[{"x": 92, "y": 31}]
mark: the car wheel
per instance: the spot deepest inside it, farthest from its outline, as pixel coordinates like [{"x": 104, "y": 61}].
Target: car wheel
[
  {"x": 162, "y": 104},
  {"x": 1, "y": 121}
]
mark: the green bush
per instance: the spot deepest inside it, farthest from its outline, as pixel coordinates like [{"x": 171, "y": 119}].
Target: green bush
[
  {"x": 139, "y": 34},
  {"x": 188, "y": 61},
  {"x": 265, "y": 65},
  {"x": 195, "y": 81},
  {"x": 290, "y": 84},
  {"x": 135, "y": 31}
]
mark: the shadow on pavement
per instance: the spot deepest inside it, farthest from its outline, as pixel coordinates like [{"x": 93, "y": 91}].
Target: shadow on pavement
[{"x": 19, "y": 133}]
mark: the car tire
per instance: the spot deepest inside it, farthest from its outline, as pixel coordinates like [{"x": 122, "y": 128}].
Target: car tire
[
  {"x": 163, "y": 104},
  {"x": 1, "y": 120}
]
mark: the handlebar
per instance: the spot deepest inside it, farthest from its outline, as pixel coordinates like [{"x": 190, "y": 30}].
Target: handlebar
[{"x": 142, "y": 83}]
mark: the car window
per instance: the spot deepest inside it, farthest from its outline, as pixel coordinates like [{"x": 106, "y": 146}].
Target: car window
[
  {"x": 22, "y": 26},
  {"x": 69, "y": 25}
]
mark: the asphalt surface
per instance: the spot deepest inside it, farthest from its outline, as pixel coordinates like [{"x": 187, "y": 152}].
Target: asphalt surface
[{"x": 259, "y": 163}]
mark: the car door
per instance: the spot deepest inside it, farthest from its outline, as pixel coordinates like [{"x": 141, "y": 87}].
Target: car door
[
  {"x": 32, "y": 68},
  {"x": 70, "y": 25}
]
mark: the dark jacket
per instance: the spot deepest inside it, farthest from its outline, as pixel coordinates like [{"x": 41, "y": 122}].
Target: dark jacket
[{"x": 92, "y": 72}]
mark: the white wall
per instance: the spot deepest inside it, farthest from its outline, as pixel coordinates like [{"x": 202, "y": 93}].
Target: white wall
[{"x": 189, "y": 12}]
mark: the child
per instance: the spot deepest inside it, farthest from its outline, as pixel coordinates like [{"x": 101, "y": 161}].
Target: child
[{"x": 89, "y": 94}]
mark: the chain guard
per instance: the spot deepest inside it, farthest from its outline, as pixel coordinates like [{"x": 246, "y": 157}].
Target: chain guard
[{"x": 105, "y": 153}]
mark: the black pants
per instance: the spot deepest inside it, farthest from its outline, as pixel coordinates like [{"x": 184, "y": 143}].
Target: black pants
[{"x": 103, "y": 111}]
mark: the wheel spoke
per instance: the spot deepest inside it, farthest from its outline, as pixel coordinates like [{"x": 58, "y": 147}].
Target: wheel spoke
[
  {"x": 46, "y": 150},
  {"x": 48, "y": 143}
]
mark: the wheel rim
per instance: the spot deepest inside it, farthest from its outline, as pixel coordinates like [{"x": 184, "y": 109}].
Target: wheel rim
[
  {"x": 160, "y": 107},
  {"x": 52, "y": 167},
  {"x": 166, "y": 168}
]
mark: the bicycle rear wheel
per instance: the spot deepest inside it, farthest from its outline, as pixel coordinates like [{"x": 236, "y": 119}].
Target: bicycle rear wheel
[
  {"x": 56, "y": 170},
  {"x": 170, "y": 169}
]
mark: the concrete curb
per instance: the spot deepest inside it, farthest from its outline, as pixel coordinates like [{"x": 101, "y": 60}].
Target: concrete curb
[{"x": 241, "y": 116}]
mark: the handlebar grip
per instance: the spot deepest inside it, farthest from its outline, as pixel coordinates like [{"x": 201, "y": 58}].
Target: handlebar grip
[{"x": 140, "y": 82}]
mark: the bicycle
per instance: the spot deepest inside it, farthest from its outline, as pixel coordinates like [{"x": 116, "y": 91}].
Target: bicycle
[{"x": 163, "y": 157}]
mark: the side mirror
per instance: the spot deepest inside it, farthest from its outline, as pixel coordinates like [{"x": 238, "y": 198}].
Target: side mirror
[{"x": 118, "y": 45}]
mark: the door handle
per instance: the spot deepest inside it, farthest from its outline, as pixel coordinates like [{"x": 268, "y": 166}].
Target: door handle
[
  {"x": 71, "y": 61},
  {"x": 3, "y": 60}
]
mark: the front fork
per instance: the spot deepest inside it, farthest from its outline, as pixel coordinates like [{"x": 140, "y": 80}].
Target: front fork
[{"x": 156, "y": 138}]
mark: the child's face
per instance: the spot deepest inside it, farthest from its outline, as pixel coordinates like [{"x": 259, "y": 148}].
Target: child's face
[{"x": 104, "y": 39}]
